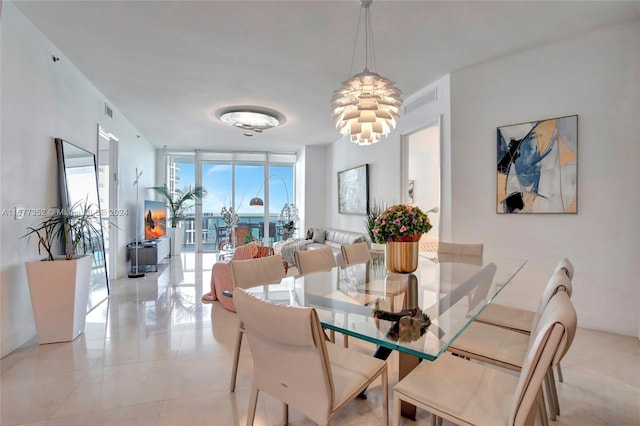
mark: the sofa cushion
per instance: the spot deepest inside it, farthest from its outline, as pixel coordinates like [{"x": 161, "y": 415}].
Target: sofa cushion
[
  {"x": 319, "y": 235},
  {"x": 340, "y": 237}
]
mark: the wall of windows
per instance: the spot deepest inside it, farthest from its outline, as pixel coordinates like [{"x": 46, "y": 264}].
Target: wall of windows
[{"x": 232, "y": 180}]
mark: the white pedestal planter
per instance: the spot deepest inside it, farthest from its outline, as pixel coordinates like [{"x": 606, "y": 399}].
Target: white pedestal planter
[
  {"x": 59, "y": 296},
  {"x": 177, "y": 239}
]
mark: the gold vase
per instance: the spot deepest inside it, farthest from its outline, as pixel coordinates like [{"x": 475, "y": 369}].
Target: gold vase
[{"x": 401, "y": 257}]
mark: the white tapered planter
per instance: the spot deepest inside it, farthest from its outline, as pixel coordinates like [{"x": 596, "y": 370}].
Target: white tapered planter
[
  {"x": 177, "y": 240},
  {"x": 59, "y": 296}
]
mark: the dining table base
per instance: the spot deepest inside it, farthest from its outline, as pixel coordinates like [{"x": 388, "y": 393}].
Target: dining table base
[{"x": 406, "y": 363}]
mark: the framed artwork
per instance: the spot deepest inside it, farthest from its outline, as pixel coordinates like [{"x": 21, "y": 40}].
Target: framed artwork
[
  {"x": 353, "y": 190},
  {"x": 410, "y": 191},
  {"x": 538, "y": 167}
]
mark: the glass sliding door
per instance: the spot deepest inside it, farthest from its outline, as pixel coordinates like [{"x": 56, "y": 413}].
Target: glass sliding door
[
  {"x": 217, "y": 177},
  {"x": 249, "y": 176},
  {"x": 232, "y": 180},
  {"x": 281, "y": 193}
]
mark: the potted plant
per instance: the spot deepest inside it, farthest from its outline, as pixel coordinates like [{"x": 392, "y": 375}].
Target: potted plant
[
  {"x": 375, "y": 210},
  {"x": 178, "y": 205},
  {"x": 400, "y": 228},
  {"x": 59, "y": 285}
]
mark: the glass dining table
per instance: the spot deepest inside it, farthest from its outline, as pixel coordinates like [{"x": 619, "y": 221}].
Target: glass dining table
[{"x": 418, "y": 314}]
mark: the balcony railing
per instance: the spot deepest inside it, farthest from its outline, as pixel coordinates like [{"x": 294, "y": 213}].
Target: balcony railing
[{"x": 212, "y": 223}]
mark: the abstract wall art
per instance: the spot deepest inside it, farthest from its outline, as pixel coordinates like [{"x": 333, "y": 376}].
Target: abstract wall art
[
  {"x": 538, "y": 167},
  {"x": 353, "y": 190}
]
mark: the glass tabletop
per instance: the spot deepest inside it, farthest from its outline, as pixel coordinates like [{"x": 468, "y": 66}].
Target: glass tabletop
[{"x": 420, "y": 313}]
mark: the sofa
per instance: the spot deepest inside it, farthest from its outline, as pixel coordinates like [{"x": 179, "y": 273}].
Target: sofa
[{"x": 335, "y": 238}]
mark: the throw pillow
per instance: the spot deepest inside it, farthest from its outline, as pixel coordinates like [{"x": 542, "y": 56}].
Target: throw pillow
[
  {"x": 318, "y": 235},
  {"x": 309, "y": 234},
  {"x": 245, "y": 252}
]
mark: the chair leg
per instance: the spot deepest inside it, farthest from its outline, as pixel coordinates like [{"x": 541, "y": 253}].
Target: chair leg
[
  {"x": 542, "y": 409},
  {"x": 560, "y": 378},
  {"x": 396, "y": 409},
  {"x": 385, "y": 396},
  {"x": 253, "y": 402},
  {"x": 552, "y": 403},
  {"x": 332, "y": 336},
  {"x": 236, "y": 359},
  {"x": 554, "y": 391},
  {"x": 345, "y": 340},
  {"x": 285, "y": 414}
]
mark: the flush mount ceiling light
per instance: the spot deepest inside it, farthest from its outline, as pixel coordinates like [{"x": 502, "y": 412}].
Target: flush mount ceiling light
[
  {"x": 366, "y": 106},
  {"x": 252, "y": 119}
]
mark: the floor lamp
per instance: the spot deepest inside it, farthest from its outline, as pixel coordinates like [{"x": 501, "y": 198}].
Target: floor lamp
[
  {"x": 259, "y": 202},
  {"x": 136, "y": 273}
]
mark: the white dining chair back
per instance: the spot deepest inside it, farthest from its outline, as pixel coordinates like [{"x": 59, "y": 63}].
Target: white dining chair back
[
  {"x": 550, "y": 341},
  {"x": 252, "y": 272},
  {"x": 355, "y": 253},
  {"x": 293, "y": 363},
  {"x": 309, "y": 261},
  {"x": 559, "y": 281},
  {"x": 566, "y": 265},
  {"x": 460, "y": 249},
  {"x": 246, "y": 274}
]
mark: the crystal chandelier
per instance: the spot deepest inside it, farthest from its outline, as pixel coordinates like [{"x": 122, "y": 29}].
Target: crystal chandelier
[{"x": 366, "y": 106}]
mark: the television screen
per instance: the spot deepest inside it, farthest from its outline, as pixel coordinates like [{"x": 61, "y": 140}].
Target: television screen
[{"x": 155, "y": 219}]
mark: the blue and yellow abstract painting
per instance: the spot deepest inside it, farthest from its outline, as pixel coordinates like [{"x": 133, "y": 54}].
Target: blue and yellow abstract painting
[{"x": 538, "y": 166}]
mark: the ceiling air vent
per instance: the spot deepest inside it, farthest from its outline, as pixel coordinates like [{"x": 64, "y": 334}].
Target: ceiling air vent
[
  {"x": 428, "y": 97},
  {"x": 108, "y": 111}
]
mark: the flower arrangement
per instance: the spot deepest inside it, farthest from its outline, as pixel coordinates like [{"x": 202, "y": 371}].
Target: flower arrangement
[
  {"x": 289, "y": 216},
  {"x": 401, "y": 223}
]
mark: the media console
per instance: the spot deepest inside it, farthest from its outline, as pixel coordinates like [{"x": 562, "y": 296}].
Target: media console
[{"x": 150, "y": 253}]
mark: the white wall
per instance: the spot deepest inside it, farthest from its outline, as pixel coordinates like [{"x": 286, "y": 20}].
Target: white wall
[
  {"x": 42, "y": 100},
  {"x": 595, "y": 76}
]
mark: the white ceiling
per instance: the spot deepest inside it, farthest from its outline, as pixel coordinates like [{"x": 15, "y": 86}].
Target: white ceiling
[{"x": 169, "y": 65}]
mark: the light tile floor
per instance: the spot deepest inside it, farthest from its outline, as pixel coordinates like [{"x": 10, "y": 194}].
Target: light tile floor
[{"x": 155, "y": 355}]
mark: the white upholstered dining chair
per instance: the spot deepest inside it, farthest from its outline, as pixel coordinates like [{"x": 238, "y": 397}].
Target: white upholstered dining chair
[
  {"x": 293, "y": 362},
  {"x": 309, "y": 261},
  {"x": 460, "y": 249},
  {"x": 517, "y": 319},
  {"x": 355, "y": 253},
  {"x": 468, "y": 393},
  {"x": 246, "y": 274},
  {"x": 506, "y": 348}
]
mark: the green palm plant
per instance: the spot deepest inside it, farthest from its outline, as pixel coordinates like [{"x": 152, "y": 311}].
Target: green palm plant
[
  {"x": 375, "y": 209},
  {"x": 77, "y": 229},
  {"x": 177, "y": 203}
]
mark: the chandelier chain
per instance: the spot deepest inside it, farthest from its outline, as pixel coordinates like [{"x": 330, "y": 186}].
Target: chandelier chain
[{"x": 355, "y": 42}]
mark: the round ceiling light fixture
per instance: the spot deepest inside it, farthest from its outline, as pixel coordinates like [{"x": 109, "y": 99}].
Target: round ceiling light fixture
[{"x": 251, "y": 119}]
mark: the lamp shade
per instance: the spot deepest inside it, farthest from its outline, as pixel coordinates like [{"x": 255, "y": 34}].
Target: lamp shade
[
  {"x": 256, "y": 202},
  {"x": 365, "y": 107}
]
